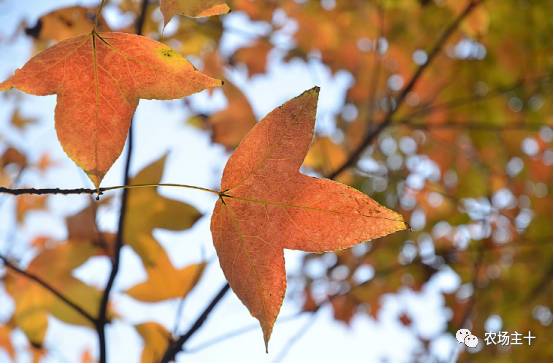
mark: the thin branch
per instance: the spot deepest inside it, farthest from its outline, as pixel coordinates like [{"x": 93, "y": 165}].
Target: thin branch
[
  {"x": 98, "y": 13},
  {"x": 178, "y": 315},
  {"x": 237, "y": 332},
  {"x": 180, "y": 308},
  {"x": 175, "y": 347},
  {"x": 388, "y": 118},
  {"x": 49, "y": 288},
  {"x": 49, "y": 191},
  {"x": 100, "y": 191},
  {"x": 139, "y": 25},
  {"x": 375, "y": 76},
  {"x": 103, "y": 310},
  {"x": 465, "y": 318},
  {"x": 15, "y": 182},
  {"x": 297, "y": 336},
  {"x": 543, "y": 283}
]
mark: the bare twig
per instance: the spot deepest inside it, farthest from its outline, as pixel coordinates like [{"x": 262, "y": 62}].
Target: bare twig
[
  {"x": 297, "y": 336},
  {"x": 49, "y": 191},
  {"x": 99, "y": 191},
  {"x": 103, "y": 309},
  {"x": 388, "y": 118},
  {"x": 465, "y": 318},
  {"x": 375, "y": 77},
  {"x": 175, "y": 347},
  {"x": 235, "y": 333},
  {"x": 49, "y": 288},
  {"x": 98, "y": 13}
]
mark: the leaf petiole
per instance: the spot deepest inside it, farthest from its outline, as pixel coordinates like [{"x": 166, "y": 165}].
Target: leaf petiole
[{"x": 145, "y": 185}]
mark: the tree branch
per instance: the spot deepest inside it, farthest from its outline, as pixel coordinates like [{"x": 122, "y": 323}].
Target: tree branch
[
  {"x": 387, "y": 119},
  {"x": 49, "y": 288},
  {"x": 296, "y": 337},
  {"x": 99, "y": 191},
  {"x": 237, "y": 332},
  {"x": 50, "y": 191},
  {"x": 102, "y": 312},
  {"x": 175, "y": 347}
]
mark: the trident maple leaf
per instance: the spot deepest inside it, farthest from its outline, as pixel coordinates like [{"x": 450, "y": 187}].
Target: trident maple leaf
[
  {"x": 267, "y": 205},
  {"x": 99, "y": 79}
]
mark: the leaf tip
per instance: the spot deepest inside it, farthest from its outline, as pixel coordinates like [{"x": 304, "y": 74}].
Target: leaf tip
[
  {"x": 6, "y": 85},
  {"x": 267, "y": 329},
  {"x": 96, "y": 178},
  {"x": 266, "y": 340},
  {"x": 313, "y": 91},
  {"x": 312, "y": 94},
  {"x": 407, "y": 226}
]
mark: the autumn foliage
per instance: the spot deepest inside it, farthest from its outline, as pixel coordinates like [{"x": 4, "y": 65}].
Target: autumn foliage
[{"x": 427, "y": 158}]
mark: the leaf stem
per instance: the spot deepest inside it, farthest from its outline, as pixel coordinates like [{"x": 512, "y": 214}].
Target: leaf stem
[
  {"x": 179, "y": 185},
  {"x": 175, "y": 347}
]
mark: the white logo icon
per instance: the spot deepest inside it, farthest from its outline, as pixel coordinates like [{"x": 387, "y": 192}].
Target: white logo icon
[{"x": 464, "y": 336}]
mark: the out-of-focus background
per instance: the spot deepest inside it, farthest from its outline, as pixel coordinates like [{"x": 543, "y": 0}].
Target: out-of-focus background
[{"x": 466, "y": 158}]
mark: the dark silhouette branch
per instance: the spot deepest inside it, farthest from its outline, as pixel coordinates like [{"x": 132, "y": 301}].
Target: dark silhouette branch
[
  {"x": 388, "y": 118},
  {"x": 99, "y": 191},
  {"x": 119, "y": 242},
  {"x": 49, "y": 288},
  {"x": 49, "y": 191},
  {"x": 175, "y": 347}
]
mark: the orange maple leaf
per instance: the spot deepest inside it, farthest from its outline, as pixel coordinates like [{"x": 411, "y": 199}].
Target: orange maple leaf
[
  {"x": 267, "y": 205},
  {"x": 99, "y": 79}
]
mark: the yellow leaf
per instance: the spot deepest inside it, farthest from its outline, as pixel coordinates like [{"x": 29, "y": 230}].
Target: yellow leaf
[
  {"x": 6, "y": 342},
  {"x": 65, "y": 23},
  {"x": 156, "y": 338},
  {"x": 148, "y": 210},
  {"x": 33, "y": 303},
  {"x": 166, "y": 282}
]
